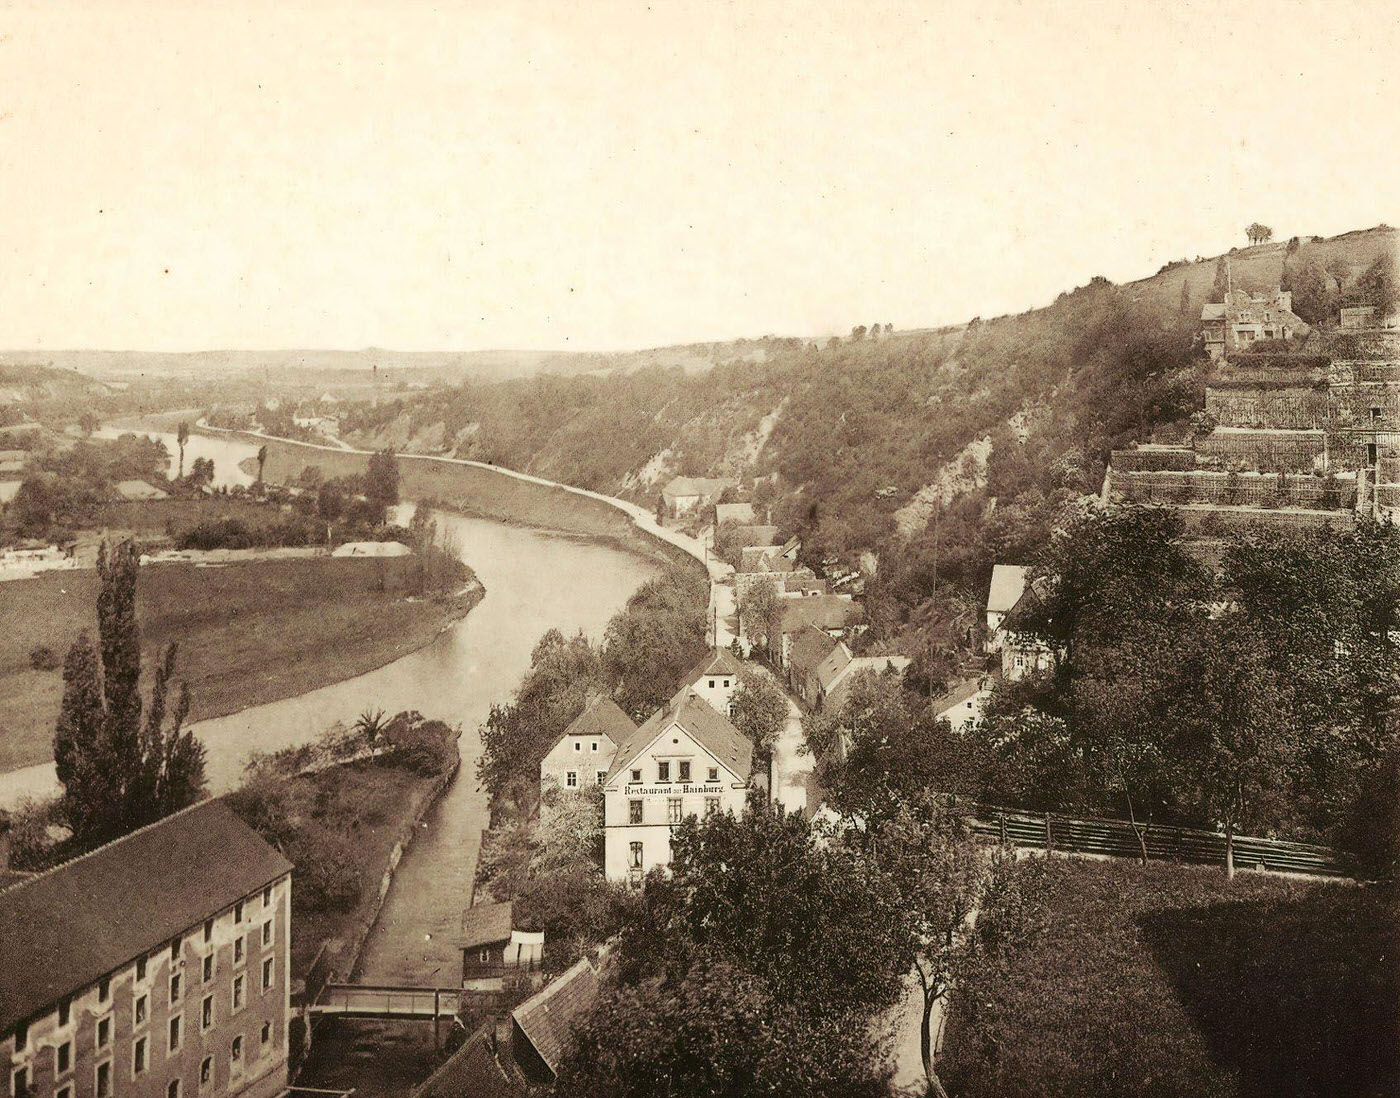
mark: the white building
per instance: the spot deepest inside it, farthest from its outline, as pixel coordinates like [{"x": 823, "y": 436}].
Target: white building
[
  {"x": 686, "y": 760},
  {"x": 963, "y": 703},
  {"x": 716, "y": 678},
  {"x": 584, "y": 753},
  {"x": 1008, "y": 582}
]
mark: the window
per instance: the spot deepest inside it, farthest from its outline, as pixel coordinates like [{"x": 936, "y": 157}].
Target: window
[
  {"x": 65, "y": 1057},
  {"x": 172, "y": 1090},
  {"x": 235, "y": 1053},
  {"x": 206, "y": 1012},
  {"x": 267, "y": 896},
  {"x": 175, "y": 988},
  {"x": 593, "y": 746},
  {"x": 725, "y": 683},
  {"x": 208, "y": 967},
  {"x": 141, "y": 968},
  {"x": 138, "y": 1056},
  {"x": 21, "y": 1036},
  {"x": 238, "y": 912},
  {"x": 636, "y": 775},
  {"x": 266, "y": 1035},
  {"x": 19, "y": 1082},
  {"x": 208, "y": 931},
  {"x": 104, "y": 1032},
  {"x": 175, "y": 948},
  {"x": 206, "y": 1071},
  {"x": 139, "y": 1013},
  {"x": 175, "y": 1023},
  {"x": 673, "y": 810},
  {"x": 714, "y": 774},
  {"x": 601, "y": 776},
  {"x": 684, "y": 767},
  {"x": 636, "y": 851},
  {"x": 634, "y": 811},
  {"x": 712, "y": 684},
  {"x": 578, "y": 745},
  {"x": 267, "y": 973},
  {"x": 64, "y": 1092},
  {"x": 238, "y": 992},
  {"x": 238, "y": 950},
  {"x": 65, "y": 1010},
  {"x": 104, "y": 989},
  {"x": 571, "y": 779},
  {"x": 663, "y": 772},
  {"x": 267, "y": 933},
  {"x": 711, "y": 805},
  {"x": 104, "y": 1079}
]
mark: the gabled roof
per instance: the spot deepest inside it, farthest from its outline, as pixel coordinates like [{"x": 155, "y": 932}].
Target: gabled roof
[
  {"x": 854, "y": 666},
  {"x": 756, "y": 535},
  {"x": 832, "y": 664},
  {"x": 601, "y": 717},
  {"x": 959, "y": 693},
  {"x": 809, "y": 647},
  {"x": 823, "y": 611},
  {"x": 697, "y": 486},
  {"x": 139, "y": 490},
  {"x": 773, "y": 563},
  {"x": 67, "y": 928},
  {"x": 702, "y": 723},
  {"x": 720, "y": 661},
  {"x": 733, "y": 512},
  {"x": 751, "y": 556},
  {"x": 547, "y": 1018},
  {"x": 483, "y": 924},
  {"x": 1029, "y": 602},
  {"x": 1008, "y": 581}
]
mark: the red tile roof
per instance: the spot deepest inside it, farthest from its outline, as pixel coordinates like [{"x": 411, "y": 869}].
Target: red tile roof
[{"x": 65, "y": 929}]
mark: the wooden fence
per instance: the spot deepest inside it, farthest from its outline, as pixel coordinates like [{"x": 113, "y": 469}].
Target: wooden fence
[{"x": 1176, "y": 844}]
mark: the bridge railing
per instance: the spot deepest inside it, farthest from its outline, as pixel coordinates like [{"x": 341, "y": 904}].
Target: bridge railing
[
  {"x": 388, "y": 1000},
  {"x": 1167, "y": 843}
]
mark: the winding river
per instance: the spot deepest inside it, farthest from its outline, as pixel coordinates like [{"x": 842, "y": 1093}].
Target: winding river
[{"x": 534, "y": 581}]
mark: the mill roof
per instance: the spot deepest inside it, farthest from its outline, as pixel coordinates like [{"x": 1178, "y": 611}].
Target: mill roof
[{"x": 65, "y": 929}]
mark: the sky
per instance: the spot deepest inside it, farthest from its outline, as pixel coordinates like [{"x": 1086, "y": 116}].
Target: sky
[{"x": 611, "y": 174}]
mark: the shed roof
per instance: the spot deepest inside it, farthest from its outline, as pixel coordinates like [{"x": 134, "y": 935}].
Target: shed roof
[
  {"x": 65, "y": 929},
  {"x": 547, "y": 1018},
  {"x": 483, "y": 924},
  {"x": 1008, "y": 581}
]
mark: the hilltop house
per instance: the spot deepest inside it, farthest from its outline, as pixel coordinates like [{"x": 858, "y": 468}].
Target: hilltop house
[
  {"x": 687, "y": 759},
  {"x": 1244, "y": 318},
  {"x": 153, "y": 967},
  {"x": 684, "y": 495},
  {"x": 583, "y": 755}
]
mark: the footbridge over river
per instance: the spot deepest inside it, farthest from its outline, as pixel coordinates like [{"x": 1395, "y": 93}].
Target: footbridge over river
[{"x": 401, "y": 1001}]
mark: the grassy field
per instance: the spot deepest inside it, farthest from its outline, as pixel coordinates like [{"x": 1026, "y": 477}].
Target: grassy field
[
  {"x": 248, "y": 633},
  {"x": 1169, "y": 980}
]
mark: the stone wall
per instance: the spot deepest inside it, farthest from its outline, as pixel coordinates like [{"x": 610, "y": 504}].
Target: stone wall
[
  {"x": 1266, "y": 490},
  {"x": 1296, "y": 408},
  {"x": 1265, "y": 451}
]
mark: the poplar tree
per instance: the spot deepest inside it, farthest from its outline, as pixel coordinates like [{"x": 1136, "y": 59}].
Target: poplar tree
[{"x": 120, "y": 772}]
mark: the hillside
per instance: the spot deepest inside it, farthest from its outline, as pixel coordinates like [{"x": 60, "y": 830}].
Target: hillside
[{"x": 982, "y": 430}]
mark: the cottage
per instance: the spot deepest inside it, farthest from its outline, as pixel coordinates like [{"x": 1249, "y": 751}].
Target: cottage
[
  {"x": 839, "y": 672},
  {"x": 833, "y": 614},
  {"x": 1244, "y": 318},
  {"x": 963, "y": 703},
  {"x": 1022, "y": 653},
  {"x": 583, "y": 755},
  {"x": 808, "y": 648},
  {"x": 491, "y": 945},
  {"x": 686, "y": 494},
  {"x": 153, "y": 967},
  {"x": 684, "y": 761}
]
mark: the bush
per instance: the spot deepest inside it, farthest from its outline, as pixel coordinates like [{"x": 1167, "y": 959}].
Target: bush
[
  {"x": 29, "y": 834},
  {"x": 44, "y": 658},
  {"x": 423, "y": 746},
  {"x": 326, "y": 872}
]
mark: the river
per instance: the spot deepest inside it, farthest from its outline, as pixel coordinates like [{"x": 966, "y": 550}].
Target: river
[{"x": 534, "y": 581}]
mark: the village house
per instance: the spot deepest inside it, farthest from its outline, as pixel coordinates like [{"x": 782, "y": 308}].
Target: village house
[
  {"x": 807, "y": 649},
  {"x": 715, "y": 679},
  {"x": 963, "y": 702},
  {"x": 583, "y": 755},
  {"x": 1022, "y": 653},
  {"x": 542, "y": 1027},
  {"x": 837, "y": 673},
  {"x": 153, "y": 967},
  {"x": 686, "y": 760},
  {"x": 683, "y": 495},
  {"x": 836, "y": 615},
  {"x": 1244, "y": 318},
  {"x": 491, "y": 945}
]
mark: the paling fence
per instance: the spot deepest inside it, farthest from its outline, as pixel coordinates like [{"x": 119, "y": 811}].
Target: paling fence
[{"x": 1179, "y": 844}]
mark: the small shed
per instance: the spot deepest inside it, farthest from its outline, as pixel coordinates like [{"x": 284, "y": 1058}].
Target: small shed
[{"x": 490, "y": 944}]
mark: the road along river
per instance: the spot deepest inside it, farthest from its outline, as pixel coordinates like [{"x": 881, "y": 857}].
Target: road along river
[{"x": 534, "y": 581}]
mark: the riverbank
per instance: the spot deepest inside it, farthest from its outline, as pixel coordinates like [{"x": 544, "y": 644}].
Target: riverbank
[{"x": 248, "y": 633}]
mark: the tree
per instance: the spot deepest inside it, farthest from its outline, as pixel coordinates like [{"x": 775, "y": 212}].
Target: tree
[
  {"x": 570, "y": 832},
  {"x": 857, "y": 333},
  {"x": 761, "y": 612},
  {"x": 759, "y": 710},
  {"x": 654, "y": 640},
  {"x": 1221, "y": 285},
  {"x": 382, "y": 482},
  {"x": 330, "y": 500},
  {"x": 936, "y": 867},
  {"x": 88, "y": 422},
  {"x": 262, "y": 461},
  {"x": 118, "y": 771},
  {"x": 1183, "y": 309},
  {"x": 182, "y": 436},
  {"x": 1377, "y": 285},
  {"x": 202, "y": 471},
  {"x": 1259, "y": 234}
]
